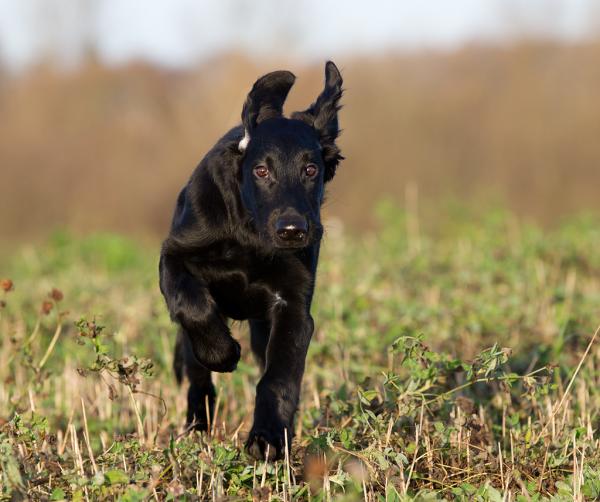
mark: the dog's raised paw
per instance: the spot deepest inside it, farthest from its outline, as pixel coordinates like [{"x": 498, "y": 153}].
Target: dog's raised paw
[{"x": 222, "y": 359}]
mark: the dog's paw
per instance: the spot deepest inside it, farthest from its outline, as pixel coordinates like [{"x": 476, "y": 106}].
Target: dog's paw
[
  {"x": 222, "y": 357},
  {"x": 196, "y": 425},
  {"x": 261, "y": 448},
  {"x": 264, "y": 444}
]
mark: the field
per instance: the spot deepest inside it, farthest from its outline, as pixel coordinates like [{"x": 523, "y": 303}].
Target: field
[
  {"x": 458, "y": 362},
  {"x": 515, "y": 123}
]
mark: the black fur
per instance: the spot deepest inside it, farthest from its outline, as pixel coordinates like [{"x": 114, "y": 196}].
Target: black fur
[{"x": 245, "y": 246}]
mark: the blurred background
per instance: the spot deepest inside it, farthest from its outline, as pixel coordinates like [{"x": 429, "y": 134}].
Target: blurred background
[{"x": 106, "y": 106}]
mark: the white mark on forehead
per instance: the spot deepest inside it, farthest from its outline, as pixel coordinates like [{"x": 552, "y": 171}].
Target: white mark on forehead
[{"x": 243, "y": 144}]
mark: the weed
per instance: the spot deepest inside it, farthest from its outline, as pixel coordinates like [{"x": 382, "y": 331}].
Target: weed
[{"x": 457, "y": 367}]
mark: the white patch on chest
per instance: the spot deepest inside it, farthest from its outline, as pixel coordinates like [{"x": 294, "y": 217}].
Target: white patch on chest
[{"x": 278, "y": 300}]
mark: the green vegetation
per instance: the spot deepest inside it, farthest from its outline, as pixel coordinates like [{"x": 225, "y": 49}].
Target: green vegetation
[{"x": 458, "y": 364}]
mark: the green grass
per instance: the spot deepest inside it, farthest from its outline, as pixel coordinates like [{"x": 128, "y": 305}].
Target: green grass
[{"x": 446, "y": 365}]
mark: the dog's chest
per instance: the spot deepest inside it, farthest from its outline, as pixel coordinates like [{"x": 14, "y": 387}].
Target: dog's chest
[{"x": 246, "y": 285}]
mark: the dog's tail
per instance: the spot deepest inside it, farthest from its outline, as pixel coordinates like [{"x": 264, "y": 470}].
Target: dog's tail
[{"x": 178, "y": 359}]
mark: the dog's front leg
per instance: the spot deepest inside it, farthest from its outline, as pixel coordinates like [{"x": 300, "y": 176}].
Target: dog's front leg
[
  {"x": 192, "y": 306},
  {"x": 278, "y": 391}
]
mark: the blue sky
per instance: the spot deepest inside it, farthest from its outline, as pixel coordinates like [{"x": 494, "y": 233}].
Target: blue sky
[{"x": 181, "y": 32}]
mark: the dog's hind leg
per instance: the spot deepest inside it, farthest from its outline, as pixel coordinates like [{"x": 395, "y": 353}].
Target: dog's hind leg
[
  {"x": 178, "y": 357},
  {"x": 259, "y": 339},
  {"x": 201, "y": 393}
]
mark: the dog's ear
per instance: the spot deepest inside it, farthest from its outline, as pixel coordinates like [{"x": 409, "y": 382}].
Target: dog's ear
[
  {"x": 323, "y": 116},
  {"x": 265, "y": 101}
]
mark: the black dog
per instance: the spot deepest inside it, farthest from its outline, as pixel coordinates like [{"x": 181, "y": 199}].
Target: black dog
[{"x": 244, "y": 244}]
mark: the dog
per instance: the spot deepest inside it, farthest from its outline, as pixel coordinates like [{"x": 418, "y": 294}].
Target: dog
[{"x": 244, "y": 245}]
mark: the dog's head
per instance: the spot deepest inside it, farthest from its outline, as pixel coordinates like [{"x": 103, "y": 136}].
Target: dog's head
[{"x": 286, "y": 162}]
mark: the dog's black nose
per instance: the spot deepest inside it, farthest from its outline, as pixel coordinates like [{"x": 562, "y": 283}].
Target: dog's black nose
[{"x": 292, "y": 228}]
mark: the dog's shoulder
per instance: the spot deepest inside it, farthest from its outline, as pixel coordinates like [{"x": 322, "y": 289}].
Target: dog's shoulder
[
  {"x": 224, "y": 152},
  {"x": 220, "y": 162},
  {"x": 204, "y": 205}
]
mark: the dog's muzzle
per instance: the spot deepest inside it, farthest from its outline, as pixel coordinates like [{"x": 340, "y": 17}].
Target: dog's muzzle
[{"x": 291, "y": 230}]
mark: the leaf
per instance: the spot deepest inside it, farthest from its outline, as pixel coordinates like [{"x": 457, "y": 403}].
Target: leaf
[
  {"x": 339, "y": 479},
  {"x": 401, "y": 459},
  {"x": 367, "y": 396},
  {"x": 468, "y": 488},
  {"x": 493, "y": 494},
  {"x": 58, "y": 494},
  {"x": 391, "y": 494},
  {"x": 563, "y": 488},
  {"x": 116, "y": 477},
  {"x": 9, "y": 466},
  {"x": 98, "y": 479},
  {"x": 135, "y": 495},
  {"x": 381, "y": 460},
  {"x": 528, "y": 438}
]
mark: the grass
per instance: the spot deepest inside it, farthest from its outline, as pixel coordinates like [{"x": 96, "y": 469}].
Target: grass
[{"x": 460, "y": 364}]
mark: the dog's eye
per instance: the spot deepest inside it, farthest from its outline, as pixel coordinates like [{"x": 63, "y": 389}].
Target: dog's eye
[
  {"x": 261, "y": 171},
  {"x": 310, "y": 170}
]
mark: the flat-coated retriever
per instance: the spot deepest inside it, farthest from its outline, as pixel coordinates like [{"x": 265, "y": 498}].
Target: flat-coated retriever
[{"x": 244, "y": 244}]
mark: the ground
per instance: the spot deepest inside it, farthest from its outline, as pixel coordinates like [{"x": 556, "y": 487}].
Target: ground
[{"x": 453, "y": 363}]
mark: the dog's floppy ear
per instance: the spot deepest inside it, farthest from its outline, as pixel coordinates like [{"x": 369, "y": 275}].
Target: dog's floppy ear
[
  {"x": 265, "y": 101},
  {"x": 323, "y": 116}
]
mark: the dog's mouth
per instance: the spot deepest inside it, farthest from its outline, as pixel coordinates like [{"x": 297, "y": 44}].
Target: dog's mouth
[{"x": 296, "y": 244}]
